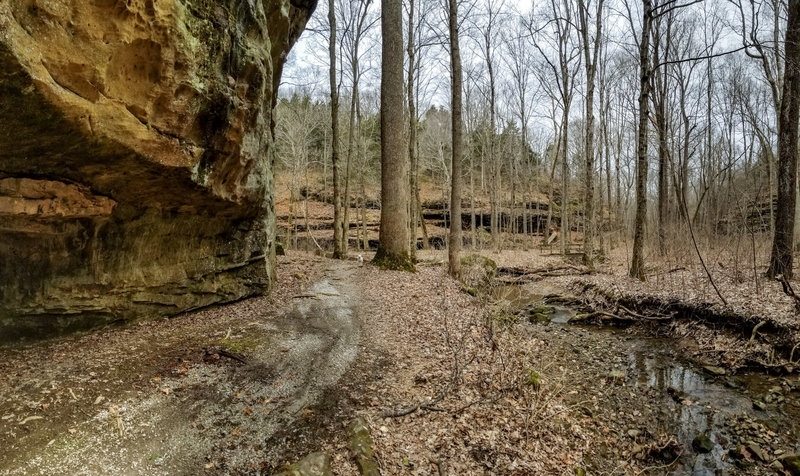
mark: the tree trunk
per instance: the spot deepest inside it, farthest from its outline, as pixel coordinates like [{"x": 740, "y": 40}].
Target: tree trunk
[
  {"x": 781, "y": 257},
  {"x": 454, "y": 247},
  {"x": 659, "y": 102},
  {"x": 565, "y": 180},
  {"x": 590, "y": 61},
  {"x": 473, "y": 223},
  {"x": 352, "y": 126},
  {"x": 412, "y": 132},
  {"x": 493, "y": 163},
  {"x": 337, "y": 192},
  {"x": 393, "y": 249},
  {"x": 637, "y": 260}
]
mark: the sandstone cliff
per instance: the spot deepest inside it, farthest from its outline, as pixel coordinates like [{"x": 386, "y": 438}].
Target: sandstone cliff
[{"x": 135, "y": 156}]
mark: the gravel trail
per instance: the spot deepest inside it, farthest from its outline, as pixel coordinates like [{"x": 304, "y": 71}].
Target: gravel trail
[{"x": 191, "y": 395}]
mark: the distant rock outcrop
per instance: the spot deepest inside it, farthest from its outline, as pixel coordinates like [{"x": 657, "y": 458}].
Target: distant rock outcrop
[{"x": 135, "y": 156}]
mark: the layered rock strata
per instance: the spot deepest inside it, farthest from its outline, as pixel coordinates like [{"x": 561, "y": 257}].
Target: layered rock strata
[{"x": 135, "y": 157}]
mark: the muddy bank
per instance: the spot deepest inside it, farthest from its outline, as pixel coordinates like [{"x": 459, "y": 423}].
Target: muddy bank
[
  {"x": 752, "y": 335},
  {"x": 769, "y": 344},
  {"x": 653, "y": 405}
]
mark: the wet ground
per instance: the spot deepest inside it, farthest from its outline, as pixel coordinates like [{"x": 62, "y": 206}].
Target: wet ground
[{"x": 656, "y": 406}]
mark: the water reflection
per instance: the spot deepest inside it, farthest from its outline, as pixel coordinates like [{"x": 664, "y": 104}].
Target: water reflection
[{"x": 694, "y": 403}]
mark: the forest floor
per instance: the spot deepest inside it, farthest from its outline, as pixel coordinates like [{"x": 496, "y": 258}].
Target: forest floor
[{"x": 249, "y": 387}]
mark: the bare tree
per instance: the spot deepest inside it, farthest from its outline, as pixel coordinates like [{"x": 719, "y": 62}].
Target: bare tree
[
  {"x": 338, "y": 230},
  {"x": 637, "y": 260},
  {"x": 591, "y": 51},
  {"x": 352, "y": 41},
  {"x": 454, "y": 245},
  {"x": 488, "y": 46}
]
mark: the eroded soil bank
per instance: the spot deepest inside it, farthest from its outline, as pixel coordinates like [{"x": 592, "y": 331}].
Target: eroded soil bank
[
  {"x": 249, "y": 387},
  {"x": 659, "y": 404}
]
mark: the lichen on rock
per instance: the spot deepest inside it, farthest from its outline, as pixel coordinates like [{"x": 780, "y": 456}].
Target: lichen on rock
[{"x": 135, "y": 157}]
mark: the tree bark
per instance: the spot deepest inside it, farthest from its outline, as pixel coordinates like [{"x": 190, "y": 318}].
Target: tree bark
[
  {"x": 337, "y": 192},
  {"x": 412, "y": 132},
  {"x": 454, "y": 246},
  {"x": 660, "y": 112},
  {"x": 393, "y": 245},
  {"x": 590, "y": 58},
  {"x": 781, "y": 257},
  {"x": 637, "y": 260}
]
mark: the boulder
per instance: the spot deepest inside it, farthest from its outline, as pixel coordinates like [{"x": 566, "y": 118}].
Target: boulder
[
  {"x": 361, "y": 445},
  {"x": 136, "y": 157}
]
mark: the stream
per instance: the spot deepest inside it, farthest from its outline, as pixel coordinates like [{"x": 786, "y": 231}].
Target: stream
[{"x": 721, "y": 423}]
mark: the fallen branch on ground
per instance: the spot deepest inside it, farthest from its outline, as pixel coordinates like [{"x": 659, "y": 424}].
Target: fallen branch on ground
[
  {"x": 426, "y": 405},
  {"x": 641, "y": 316},
  {"x": 224, "y": 353},
  {"x": 300, "y": 296}
]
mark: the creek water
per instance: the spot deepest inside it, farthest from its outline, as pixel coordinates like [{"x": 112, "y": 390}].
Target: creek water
[{"x": 704, "y": 400}]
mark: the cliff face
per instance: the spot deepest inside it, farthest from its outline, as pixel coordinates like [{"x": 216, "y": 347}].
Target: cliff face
[{"x": 135, "y": 156}]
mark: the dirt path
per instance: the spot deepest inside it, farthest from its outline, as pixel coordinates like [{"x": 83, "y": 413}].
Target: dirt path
[{"x": 202, "y": 404}]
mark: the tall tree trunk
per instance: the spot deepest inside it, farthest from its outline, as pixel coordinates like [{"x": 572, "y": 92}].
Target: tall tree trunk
[
  {"x": 494, "y": 193},
  {"x": 619, "y": 212},
  {"x": 551, "y": 202},
  {"x": 659, "y": 102},
  {"x": 637, "y": 260},
  {"x": 514, "y": 213},
  {"x": 412, "y": 131},
  {"x": 607, "y": 150},
  {"x": 353, "y": 124},
  {"x": 365, "y": 242},
  {"x": 565, "y": 180},
  {"x": 337, "y": 192},
  {"x": 781, "y": 257},
  {"x": 454, "y": 247},
  {"x": 353, "y": 127},
  {"x": 590, "y": 62},
  {"x": 393, "y": 249},
  {"x": 474, "y": 227}
]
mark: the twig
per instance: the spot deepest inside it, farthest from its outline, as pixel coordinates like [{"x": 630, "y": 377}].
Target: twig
[
  {"x": 697, "y": 249},
  {"x": 426, "y": 405},
  {"x": 299, "y": 296},
  {"x": 755, "y": 330},
  {"x": 224, "y": 353},
  {"x": 789, "y": 291},
  {"x": 439, "y": 466},
  {"x": 791, "y": 354},
  {"x": 400, "y": 412},
  {"x": 640, "y": 316}
]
